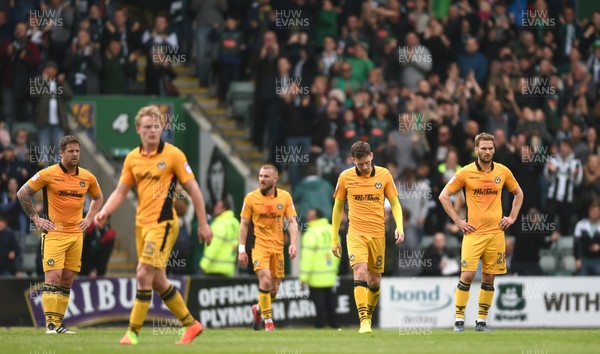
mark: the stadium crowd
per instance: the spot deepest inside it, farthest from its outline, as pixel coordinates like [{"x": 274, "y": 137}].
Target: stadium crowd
[{"x": 417, "y": 79}]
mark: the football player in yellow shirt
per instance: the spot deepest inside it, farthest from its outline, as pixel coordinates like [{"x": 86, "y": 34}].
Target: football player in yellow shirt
[
  {"x": 267, "y": 207},
  {"x": 482, "y": 182},
  {"x": 155, "y": 168},
  {"x": 365, "y": 187}
]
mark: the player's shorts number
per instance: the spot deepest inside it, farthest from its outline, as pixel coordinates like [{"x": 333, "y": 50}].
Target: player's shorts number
[
  {"x": 501, "y": 258},
  {"x": 149, "y": 248},
  {"x": 378, "y": 262}
]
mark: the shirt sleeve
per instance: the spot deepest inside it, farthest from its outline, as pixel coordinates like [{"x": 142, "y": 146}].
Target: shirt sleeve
[
  {"x": 390, "y": 187},
  {"x": 94, "y": 187},
  {"x": 340, "y": 188},
  {"x": 290, "y": 209},
  {"x": 39, "y": 180},
  {"x": 126, "y": 173},
  {"x": 511, "y": 183},
  {"x": 457, "y": 181},
  {"x": 247, "y": 209},
  {"x": 182, "y": 168}
]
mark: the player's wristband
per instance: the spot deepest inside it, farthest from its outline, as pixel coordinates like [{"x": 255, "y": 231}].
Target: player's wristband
[{"x": 242, "y": 248}]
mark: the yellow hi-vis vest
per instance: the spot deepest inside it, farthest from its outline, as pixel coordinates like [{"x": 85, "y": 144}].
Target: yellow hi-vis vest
[
  {"x": 221, "y": 256},
  {"x": 318, "y": 266}
]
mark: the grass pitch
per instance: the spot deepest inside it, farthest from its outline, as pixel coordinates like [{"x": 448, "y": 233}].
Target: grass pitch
[{"x": 303, "y": 341}]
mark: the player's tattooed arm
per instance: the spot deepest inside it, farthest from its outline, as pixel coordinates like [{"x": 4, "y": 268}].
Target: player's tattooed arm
[{"x": 24, "y": 194}]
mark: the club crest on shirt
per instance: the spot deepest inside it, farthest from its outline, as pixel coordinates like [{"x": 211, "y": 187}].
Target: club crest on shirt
[
  {"x": 279, "y": 206},
  {"x": 50, "y": 261},
  {"x": 378, "y": 185},
  {"x": 497, "y": 180},
  {"x": 82, "y": 183},
  {"x": 256, "y": 263},
  {"x": 161, "y": 165}
]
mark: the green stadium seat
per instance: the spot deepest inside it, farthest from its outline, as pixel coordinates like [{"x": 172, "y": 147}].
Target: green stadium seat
[{"x": 548, "y": 264}]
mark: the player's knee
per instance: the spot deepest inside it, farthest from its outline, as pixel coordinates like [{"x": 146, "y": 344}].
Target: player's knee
[
  {"x": 144, "y": 275},
  {"x": 487, "y": 278},
  {"x": 467, "y": 277},
  {"x": 374, "y": 283},
  {"x": 52, "y": 277}
]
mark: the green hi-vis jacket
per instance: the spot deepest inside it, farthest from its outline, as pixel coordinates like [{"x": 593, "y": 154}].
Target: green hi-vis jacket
[
  {"x": 221, "y": 256},
  {"x": 318, "y": 266}
]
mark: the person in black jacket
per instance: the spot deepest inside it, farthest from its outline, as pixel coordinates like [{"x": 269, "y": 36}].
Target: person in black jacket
[
  {"x": 532, "y": 233},
  {"x": 587, "y": 242}
]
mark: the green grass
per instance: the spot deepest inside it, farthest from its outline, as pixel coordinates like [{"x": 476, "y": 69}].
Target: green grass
[{"x": 304, "y": 341}]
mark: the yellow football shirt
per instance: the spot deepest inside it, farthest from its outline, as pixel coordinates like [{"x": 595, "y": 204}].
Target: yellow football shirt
[
  {"x": 366, "y": 196},
  {"x": 155, "y": 177},
  {"x": 267, "y": 215},
  {"x": 483, "y": 194},
  {"x": 64, "y": 195}
]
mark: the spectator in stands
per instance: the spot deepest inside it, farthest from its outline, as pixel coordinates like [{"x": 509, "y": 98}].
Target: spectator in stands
[
  {"x": 83, "y": 64},
  {"x": 587, "y": 242},
  {"x": 313, "y": 191},
  {"x": 450, "y": 166},
  {"x": 160, "y": 76},
  {"x": 329, "y": 59},
  {"x": 299, "y": 120},
  {"x": 439, "y": 260},
  {"x": 20, "y": 58},
  {"x": 415, "y": 196},
  {"x": 564, "y": 172},
  {"x": 10, "y": 167},
  {"x": 117, "y": 69},
  {"x": 591, "y": 140},
  {"x": 221, "y": 255},
  {"x": 532, "y": 233},
  {"x": 405, "y": 145},
  {"x": 416, "y": 61},
  {"x": 125, "y": 31},
  {"x": 591, "y": 184},
  {"x": 473, "y": 60},
  {"x": 439, "y": 45},
  {"x": 329, "y": 163},
  {"x": 22, "y": 146},
  {"x": 62, "y": 18},
  {"x": 568, "y": 33},
  {"x": 11, "y": 208},
  {"x": 9, "y": 249},
  {"x": 231, "y": 45},
  {"x": 209, "y": 14},
  {"x": 96, "y": 26},
  {"x": 377, "y": 128},
  {"x": 50, "y": 109},
  {"x": 346, "y": 83},
  {"x": 159, "y": 37},
  {"x": 265, "y": 96},
  {"x": 580, "y": 147}
]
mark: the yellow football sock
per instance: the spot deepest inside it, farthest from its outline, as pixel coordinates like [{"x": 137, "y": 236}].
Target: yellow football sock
[
  {"x": 372, "y": 299},
  {"x": 462, "y": 297},
  {"x": 264, "y": 301},
  {"x": 174, "y": 301},
  {"x": 273, "y": 296},
  {"x": 486, "y": 295},
  {"x": 139, "y": 310},
  {"x": 50, "y": 304},
  {"x": 62, "y": 301},
  {"x": 360, "y": 298}
]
